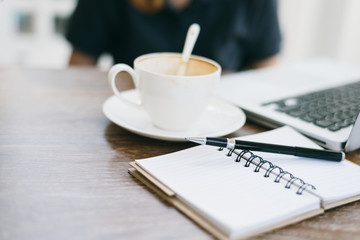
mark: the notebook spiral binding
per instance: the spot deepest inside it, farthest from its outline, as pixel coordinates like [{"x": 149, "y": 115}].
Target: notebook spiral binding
[{"x": 250, "y": 157}]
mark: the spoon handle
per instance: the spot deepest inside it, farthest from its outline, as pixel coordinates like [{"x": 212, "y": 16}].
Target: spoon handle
[{"x": 191, "y": 38}]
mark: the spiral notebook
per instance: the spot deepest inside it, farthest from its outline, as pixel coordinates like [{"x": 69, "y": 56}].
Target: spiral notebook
[{"x": 237, "y": 194}]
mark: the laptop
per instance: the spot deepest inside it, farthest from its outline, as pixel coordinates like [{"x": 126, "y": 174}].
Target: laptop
[{"x": 320, "y": 98}]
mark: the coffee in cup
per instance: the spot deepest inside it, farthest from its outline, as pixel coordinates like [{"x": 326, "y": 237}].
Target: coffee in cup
[{"x": 172, "y": 102}]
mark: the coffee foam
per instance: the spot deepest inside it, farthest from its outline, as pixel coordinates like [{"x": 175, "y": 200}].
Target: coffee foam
[{"x": 169, "y": 65}]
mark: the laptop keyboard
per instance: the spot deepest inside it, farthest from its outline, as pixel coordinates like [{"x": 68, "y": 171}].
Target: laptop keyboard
[{"x": 333, "y": 108}]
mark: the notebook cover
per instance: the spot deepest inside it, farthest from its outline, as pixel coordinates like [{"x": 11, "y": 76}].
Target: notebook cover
[{"x": 341, "y": 202}]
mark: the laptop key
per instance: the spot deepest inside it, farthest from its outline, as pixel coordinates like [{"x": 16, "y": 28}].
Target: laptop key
[
  {"x": 296, "y": 113},
  {"x": 334, "y": 127},
  {"x": 287, "y": 108},
  {"x": 307, "y": 118},
  {"x": 323, "y": 123},
  {"x": 316, "y": 115}
]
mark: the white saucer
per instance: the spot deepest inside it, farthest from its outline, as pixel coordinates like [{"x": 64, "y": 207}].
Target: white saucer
[{"x": 220, "y": 119}]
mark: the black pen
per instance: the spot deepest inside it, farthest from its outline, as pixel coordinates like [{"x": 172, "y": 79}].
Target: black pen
[{"x": 272, "y": 148}]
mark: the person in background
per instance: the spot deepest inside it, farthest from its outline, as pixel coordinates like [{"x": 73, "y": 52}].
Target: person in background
[{"x": 238, "y": 34}]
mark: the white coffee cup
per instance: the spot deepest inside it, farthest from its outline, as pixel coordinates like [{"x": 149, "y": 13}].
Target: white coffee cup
[{"x": 172, "y": 102}]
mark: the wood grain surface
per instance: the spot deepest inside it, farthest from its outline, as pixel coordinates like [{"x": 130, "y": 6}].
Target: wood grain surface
[{"x": 63, "y": 168}]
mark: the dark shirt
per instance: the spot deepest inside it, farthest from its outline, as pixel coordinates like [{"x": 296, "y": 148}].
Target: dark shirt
[{"x": 235, "y": 33}]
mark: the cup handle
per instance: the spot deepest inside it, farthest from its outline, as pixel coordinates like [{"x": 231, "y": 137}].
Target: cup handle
[{"x": 114, "y": 70}]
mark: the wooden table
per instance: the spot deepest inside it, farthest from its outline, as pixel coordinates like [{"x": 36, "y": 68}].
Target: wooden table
[{"x": 63, "y": 168}]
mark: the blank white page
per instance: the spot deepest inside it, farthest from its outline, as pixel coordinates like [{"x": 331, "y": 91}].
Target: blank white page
[
  {"x": 333, "y": 180},
  {"x": 231, "y": 196}
]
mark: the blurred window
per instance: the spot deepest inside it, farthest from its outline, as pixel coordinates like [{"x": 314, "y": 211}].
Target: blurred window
[
  {"x": 24, "y": 22},
  {"x": 60, "y": 24}
]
